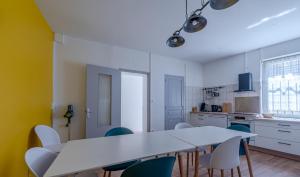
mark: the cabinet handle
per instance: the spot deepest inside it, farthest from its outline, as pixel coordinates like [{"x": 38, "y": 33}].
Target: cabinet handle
[
  {"x": 284, "y": 143},
  {"x": 284, "y": 125},
  {"x": 284, "y": 131}
]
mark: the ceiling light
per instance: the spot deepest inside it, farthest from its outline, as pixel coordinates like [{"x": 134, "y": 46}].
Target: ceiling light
[
  {"x": 175, "y": 40},
  {"x": 266, "y": 19},
  {"x": 222, "y": 4},
  {"x": 194, "y": 23}
]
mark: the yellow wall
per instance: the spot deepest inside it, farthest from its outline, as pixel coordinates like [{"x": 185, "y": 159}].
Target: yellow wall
[{"x": 25, "y": 81}]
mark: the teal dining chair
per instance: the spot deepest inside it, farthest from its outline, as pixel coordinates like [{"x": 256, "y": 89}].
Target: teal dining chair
[
  {"x": 241, "y": 128},
  {"x": 116, "y": 132},
  {"x": 159, "y": 167}
]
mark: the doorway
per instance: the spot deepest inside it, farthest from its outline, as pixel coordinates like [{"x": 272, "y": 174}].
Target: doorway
[
  {"x": 174, "y": 101},
  {"x": 135, "y": 101}
]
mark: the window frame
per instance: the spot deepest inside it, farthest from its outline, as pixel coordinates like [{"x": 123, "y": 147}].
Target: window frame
[{"x": 262, "y": 86}]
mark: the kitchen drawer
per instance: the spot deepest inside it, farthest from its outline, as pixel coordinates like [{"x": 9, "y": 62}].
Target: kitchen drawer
[
  {"x": 279, "y": 124},
  {"x": 278, "y": 145},
  {"x": 209, "y": 121},
  {"x": 278, "y": 133},
  {"x": 218, "y": 122}
]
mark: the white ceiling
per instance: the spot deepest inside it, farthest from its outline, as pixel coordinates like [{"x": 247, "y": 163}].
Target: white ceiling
[{"x": 147, "y": 24}]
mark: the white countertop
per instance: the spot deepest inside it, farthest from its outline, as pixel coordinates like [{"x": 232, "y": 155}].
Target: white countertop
[{"x": 294, "y": 120}]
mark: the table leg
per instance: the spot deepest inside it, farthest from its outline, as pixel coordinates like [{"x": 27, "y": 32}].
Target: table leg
[
  {"x": 196, "y": 163},
  {"x": 187, "y": 164},
  {"x": 180, "y": 165},
  {"x": 248, "y": 158}
]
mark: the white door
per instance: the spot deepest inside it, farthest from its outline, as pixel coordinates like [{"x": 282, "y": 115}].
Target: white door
[
  {"x": 174, "y": 101},
  {"x": 103, "y": 100}
]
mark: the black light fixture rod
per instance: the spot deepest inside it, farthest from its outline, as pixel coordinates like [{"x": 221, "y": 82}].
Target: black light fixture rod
[{"x": 203, "y": 6}]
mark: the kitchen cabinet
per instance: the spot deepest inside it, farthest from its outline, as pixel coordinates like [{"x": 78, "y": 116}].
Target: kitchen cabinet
[
  {"x": 204, "y": 119},
  {"x": 280, "y": 136}
]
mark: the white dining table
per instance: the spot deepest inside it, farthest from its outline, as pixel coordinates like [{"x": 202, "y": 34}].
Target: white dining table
[
  {"x": 210, "y": 135},
  {"x": 92, "y": 154}
]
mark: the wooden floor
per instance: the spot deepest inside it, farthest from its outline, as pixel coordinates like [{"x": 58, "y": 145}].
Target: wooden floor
[{"x": 264, "y": 165}]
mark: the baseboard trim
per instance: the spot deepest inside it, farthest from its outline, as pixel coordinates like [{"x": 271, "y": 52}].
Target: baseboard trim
[{"x": 275, "y": 153}]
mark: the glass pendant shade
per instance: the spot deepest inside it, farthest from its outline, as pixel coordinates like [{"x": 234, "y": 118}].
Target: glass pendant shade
[
  {"x": 194, "y": 23},
  {"x": 175, "y": 40},
  {"x": 222, "y": 4}
]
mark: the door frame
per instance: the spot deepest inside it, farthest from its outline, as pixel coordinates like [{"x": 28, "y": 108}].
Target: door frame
[
  {"x": 182, "y": 93},
  {"x": 148, "y": 92}
]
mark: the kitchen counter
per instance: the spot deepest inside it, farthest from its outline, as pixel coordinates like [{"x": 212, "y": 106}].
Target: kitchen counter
[
  {"x": 279, "y": 119},
  {"x": 211, "y": 113},
  {"x": 256, "y": 119}
]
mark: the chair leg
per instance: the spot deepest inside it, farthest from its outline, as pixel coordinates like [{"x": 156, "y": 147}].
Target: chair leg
[
  {"x": 208, "y": 171},
  {"x": 104, "y": 174},
  {"x": 232, "y": 172},
  {"x": 187, "y": 164},
  {"x": 109, "y": 174},
  {"x": 180, "y": 165},
  {"x": 222, "y": 173},
  {"x": 239, "y": 171},
  {"x": 212, "y": 173}
]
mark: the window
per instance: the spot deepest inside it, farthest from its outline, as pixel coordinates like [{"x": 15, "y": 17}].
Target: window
[{"x": 281, "y": 86}]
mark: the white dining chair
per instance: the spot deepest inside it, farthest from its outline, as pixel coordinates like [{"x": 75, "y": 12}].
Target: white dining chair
[
  {"x": 39, "y": 160},
  {"x": 224, "y": 157},
  {"x": 49, "y": 138},
  {"x": 183, "y": 125}
]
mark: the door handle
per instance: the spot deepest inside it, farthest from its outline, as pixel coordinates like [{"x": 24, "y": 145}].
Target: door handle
[
  {"x": 284, "y": 125},
  {"x": 284, "y": 143},
  {"x": 88, "y": 113},
  {"x": 284, "y": 131}
]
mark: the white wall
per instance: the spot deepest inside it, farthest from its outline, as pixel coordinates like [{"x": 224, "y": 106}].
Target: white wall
[
  {"x": 71, "y": 58},
  {"x": 225, "y": 71},
  {"x": 134, "y": 101}
]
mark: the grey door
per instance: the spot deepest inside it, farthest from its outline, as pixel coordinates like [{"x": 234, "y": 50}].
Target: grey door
[
  {"x": 174, "y": 101},
  {"x": 103, "y": 102}
]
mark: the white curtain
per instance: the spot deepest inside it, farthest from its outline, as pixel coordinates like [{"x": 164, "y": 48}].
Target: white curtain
[{"x": 281, "y": 86}]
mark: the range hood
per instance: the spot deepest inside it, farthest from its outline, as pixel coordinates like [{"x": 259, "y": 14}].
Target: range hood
[{"x": 245, "y": 82}]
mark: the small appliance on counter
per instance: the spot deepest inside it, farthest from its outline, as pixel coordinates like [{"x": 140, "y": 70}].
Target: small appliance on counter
[{"x": 216, "y": 108}]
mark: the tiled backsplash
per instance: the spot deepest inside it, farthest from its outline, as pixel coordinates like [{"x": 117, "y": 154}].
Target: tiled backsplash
[
  {"x": 227, "y": 94},
  {"x": 194, "y": 96}
]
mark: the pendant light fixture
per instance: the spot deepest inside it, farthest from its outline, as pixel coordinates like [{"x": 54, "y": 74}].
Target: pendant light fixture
[
  {"x": 175, "y": 40},
  {"x": 222, "y": 4},
  {"x": 196, "y": 22}
]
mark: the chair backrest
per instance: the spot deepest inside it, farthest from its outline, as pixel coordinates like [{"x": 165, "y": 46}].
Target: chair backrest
[
  {"x": 38, "y": 160},
  {"x": 226, "y": 155},
  {"x": 47, "y": 135},
  {"x": 241, "y": 128},
  {"x": 182, "y": 125},
  {"x": 160, "y": 167},
  {"x": 118, "y": 131}
]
